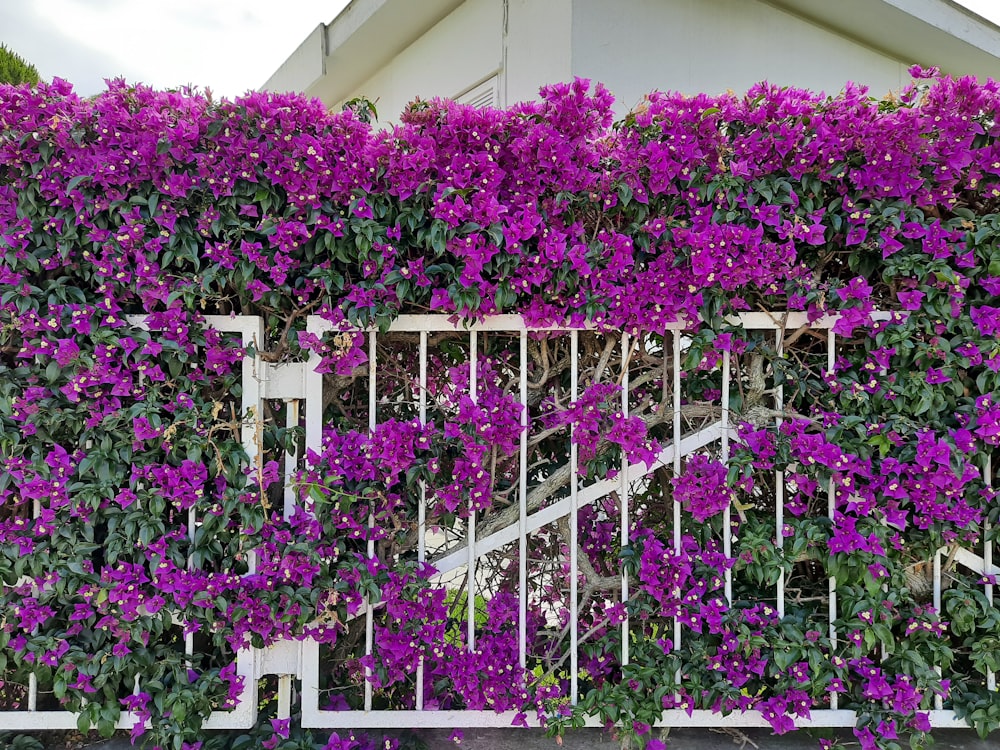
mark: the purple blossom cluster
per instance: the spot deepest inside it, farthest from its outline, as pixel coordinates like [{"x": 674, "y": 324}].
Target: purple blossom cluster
[{"x": 702, "y": 488}]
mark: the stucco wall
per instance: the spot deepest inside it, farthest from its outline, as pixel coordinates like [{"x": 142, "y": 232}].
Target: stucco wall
[
  {"x": 463, "y": 49},
  {"x": 693, "y": 46},
  {"x": 539, "y": 39},
  {"x": 633, "y": 46},
  {"x": 303, "y": 67}
]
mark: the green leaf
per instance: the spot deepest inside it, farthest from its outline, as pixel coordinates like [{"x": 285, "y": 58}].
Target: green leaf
[{"x": 74, "y": 182}]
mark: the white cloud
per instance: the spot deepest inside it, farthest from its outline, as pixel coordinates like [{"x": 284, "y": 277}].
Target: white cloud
[
  {"x": 229, "y": 46},
  {"x": 988, "y": 9}
]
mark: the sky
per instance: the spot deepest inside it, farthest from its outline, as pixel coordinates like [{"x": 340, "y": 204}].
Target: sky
[
  {"x": 228, "y": 46},
  {"x": 988, "y": 9}
]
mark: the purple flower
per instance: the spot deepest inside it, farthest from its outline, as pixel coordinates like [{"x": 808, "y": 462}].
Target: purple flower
[
  {"x": 910, "y": 300},
  {"x": 887, "y": 729},
  {"x": 866, "y": 738},
  {"x": 800, "y": 671},
  {"x": 918, "y": 72},
  {"x": 83, "y": 682},
  {"x": 336, "y": 742},
  {"x": 143, "y": 429},
  {"x": 257, "y": 288},
  {"x": 920, "y": 722},
  {"x": 615, "y": 613},
  {"x": 856, "y": 289},
  {"x": 66, "y": 351},
  {"x": 935, "y": 376},
  {"x": 987, "y": 319},
  {"x": 702, "y": 488},
  {"x": 774, "y": 710}
]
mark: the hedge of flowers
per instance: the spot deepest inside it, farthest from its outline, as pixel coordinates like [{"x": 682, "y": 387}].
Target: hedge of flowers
[{"x": 175, "y": 206}]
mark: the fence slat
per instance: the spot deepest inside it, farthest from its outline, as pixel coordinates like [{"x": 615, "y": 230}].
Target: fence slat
[
  {"x": 624, "y": 496},
  {"x": 372, "y": 424},
  {"x": 678, "y": 427},
  {"x": 574, "y": 570},
  {"x": 727, "y": 514},
  {"x": 991, "y": 678},
  {"x": 831, "y": 354},
  {"x": 422, "y": 499},
  {"x": 938, "y": 699},
  {"x": 779, "y": 487},
  {"x": 471, "y": 542},
  {"x": 522, "y": 513},
  {"x": 292, "y": 408}
]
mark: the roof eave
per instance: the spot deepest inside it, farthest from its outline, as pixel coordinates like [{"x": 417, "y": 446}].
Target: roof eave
[{"x": 338, "y": 57}]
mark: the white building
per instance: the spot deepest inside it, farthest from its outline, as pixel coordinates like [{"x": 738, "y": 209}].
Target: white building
[{"x": 500, "y": 51}]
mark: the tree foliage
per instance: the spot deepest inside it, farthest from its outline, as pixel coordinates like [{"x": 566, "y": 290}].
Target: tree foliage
[{"x": 14, "y": 69}]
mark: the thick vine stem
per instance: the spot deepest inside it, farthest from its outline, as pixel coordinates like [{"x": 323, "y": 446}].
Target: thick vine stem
[{"x": 558, "y": 479}]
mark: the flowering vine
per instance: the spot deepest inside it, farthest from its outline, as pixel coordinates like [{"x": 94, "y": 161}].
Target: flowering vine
[{"x": 134, "y": 521}]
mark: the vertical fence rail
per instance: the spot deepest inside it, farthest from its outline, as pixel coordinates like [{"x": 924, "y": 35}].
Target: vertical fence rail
[
  {"x": 372, "y": 424},
  {"x": 312, "y": 714},
  {"x": 938, "y": 699},
  {"x": 831, "y": 504},
  {"x": 574, "y": 563},
  {"x": 991, "y": 678},
  {"x": 678, "y": 427},
  {"x": 36, "y": 512},
  {"x": 251, "y": 330},
  {"x": 191, "y": 530},
  {"x": 471, "y": 541},
  {"x": 727, "y": 514},
  {"x": 624, "y": 498},
  {"x": 522, "y": 509},
  {"x": 422, "y": 499},
  {"x": 779, "y": 486},
  {"x": 292, "y": 416}
]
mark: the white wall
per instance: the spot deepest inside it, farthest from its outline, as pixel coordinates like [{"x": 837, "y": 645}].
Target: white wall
[
  {"x": 463, "y": 49},
  {"x": 539, "y": 46},
  {"x": 632, "y": 46},
  {"x": 694, "y": 46},
  {"x": 302, "y": 68}
]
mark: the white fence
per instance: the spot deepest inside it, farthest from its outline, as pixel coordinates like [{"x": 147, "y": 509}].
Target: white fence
[
  {"x": 301, "y": 387},
  {"x": 248, "y": 664},
  {"x": 466, "y": 555}
]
